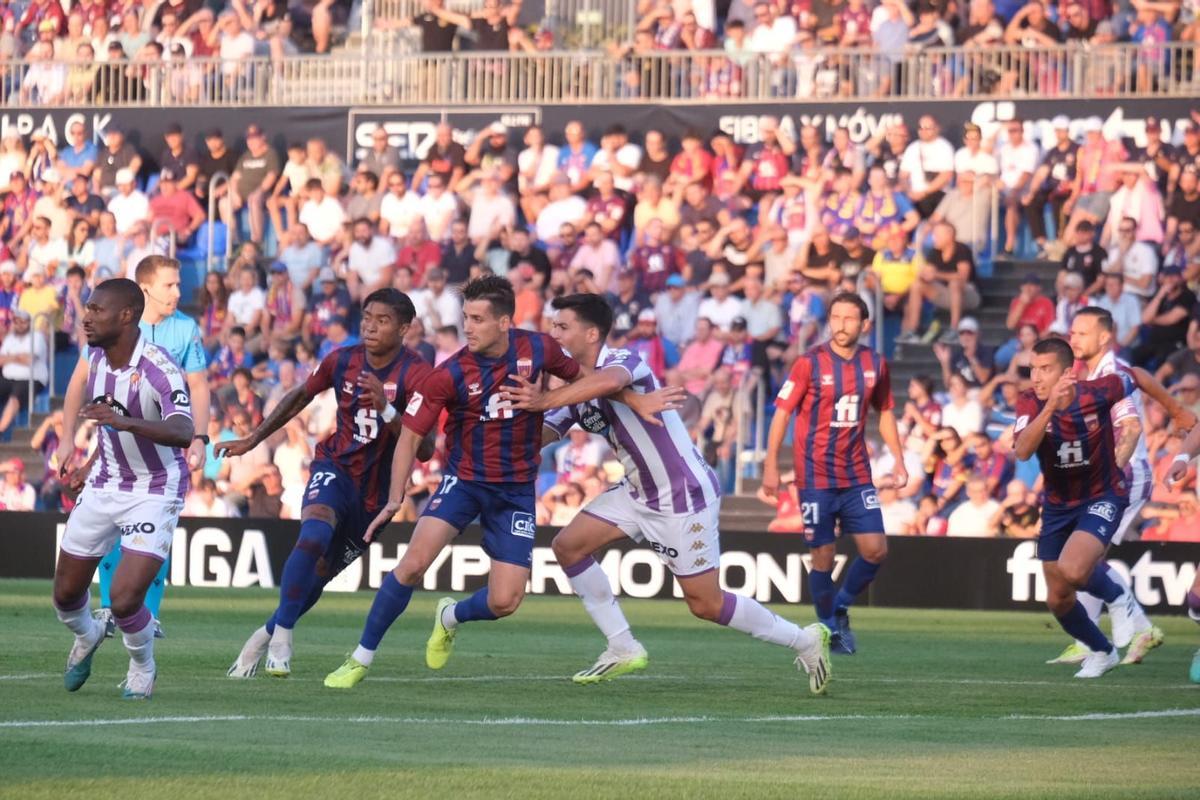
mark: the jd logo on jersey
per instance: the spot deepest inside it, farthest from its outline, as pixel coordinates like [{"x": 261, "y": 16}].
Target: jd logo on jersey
[
  {"x": 523, "y": 525},
  {"x": 180, "y": 399}
]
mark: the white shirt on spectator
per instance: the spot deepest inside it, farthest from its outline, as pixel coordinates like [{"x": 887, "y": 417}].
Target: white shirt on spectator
[
  {"x": 134, "y": 255},
  {"x": 399, "y": 213},
  {"x": 897, "y": 515},
  {"x": 761, "y": 317},
  {"x": 438, "y": 213},
  {"x": 244, "y": 305},
  {"x": 1126, "y": 313},
  {"x": 129, "y": 209},
  {"x": 1015, "y": 161},
  {"x": 570, "y": 209},
  {"x": 721, "y": 313},
  {"x": 1138, "y": 262},
  {"x": 774, "y": 38},
  {"x": 369, "y": 262},
  {"x": 16, "y": 344},
  {"x": 629, "y": 155},
  {"x": 972, "y": 520},
  {"x": 17, "y": 498},
  {"x": 234, "y": 49},
  {"x": 324, "y": 220},
  {"x": 542, "y": 164},
  {"x": 194, "y": 506},
  {"x": 488, "y": 214},
  {"x": 602, "y": 261},
  {"x": 922, "y": 157},
  {"x": 979, "y": 162},
  {"x": 965, "y": 419},
  {"x": 447, "y": 306},
  {"x": 54, "y": 251}
]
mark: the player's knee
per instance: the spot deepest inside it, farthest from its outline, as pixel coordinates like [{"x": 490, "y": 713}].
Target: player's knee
[
  {"x": 125, "y": 603},
  {"x": 1075, "y": 574},
  {"x": 873, "y": 549},
  {"x": 565, "y": 552},
  {"x": 409, "y": 574},
  {"x": 64, "y": 598},
  {"x": 504, "y": 604},
  {"x": 706, "y": 608}
]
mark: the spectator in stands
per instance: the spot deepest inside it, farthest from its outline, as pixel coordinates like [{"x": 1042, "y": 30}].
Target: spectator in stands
[
  {"x": 979, "y": 516},
  {"x": 1097, "y": 162},
  {"x": 418, "y": 254},
  {"x": 322, "y": 215},
  {"x": 1071, "y": 300},
  {"x": 1018, "y": 160},
  {"x": 116, "y": 155},
  {"x": 524, "y": 251},
  {"x": 927, "y": 167},
  {"x": 896, "y": 267},
  {"x": 42, "y": 251},
  {"x": 439, "y": 207},
  {"x": 178, "y": 208},
  {"x": 446, "y": 159},
  {"x": 213, "y": 300},
  {"x": 1029, "y": 307},
  {"x": 370, "y": 260},
  {"x": 247, "y": 303},
  {"x": 381, "y": 158},
  {"x": 946, "y": 279},
  {"x": 251, "y": 182},
  {"x": 491, "y": 211},
  {"x": 716, "y": 431},
  {"x": 232, "y": 355},
  {"x": 330, "y": 300},
  {"x": 1085, "y": 258},
  {"x": 283, "y": 312},
  {"x": 45, "y": 81},
  {"x": 720, "y": 308},
  {"x": 628, "y": 301},
  {"x": 598, "y": 255},
  {"x": 79, "y": 156},
  {"x": 645, "y": 341},
  {"x": 16, "y": 494},
  {"x": 962, "y": 413},
  {"x": 23, "y": 358},
  {"x": 1137, "y": 261},
  {"x": 83, "y": 204},
  {"x": 1137, "y": 199},
  {"x": 676, "y": 310},
  {"x": 1051, "y": 184},
  {"x": 338, "y": 335},
  {"x": 436, "y": 305},
  {"x": 973, "y": 158},
  {"x": 1165, "y": 319},
  {"x": 458, "y": 254},
  {"x": 1125, "y": 309},
  {"x": 202, "y": 501},
  {"x": 39, "y": 299},
  {"x": 302, "y": 256},
  {"x": 265, "y": 494},
  {"x": 216, "y": 158},
  {"x": 364, "y": 199},
  {"x": 881, "y": 207},
  {"x": 1183, "y": 217},
  {"x": 398, "y": 208}
]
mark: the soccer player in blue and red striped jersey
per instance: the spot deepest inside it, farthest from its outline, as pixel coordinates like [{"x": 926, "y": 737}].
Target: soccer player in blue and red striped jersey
[
  {"x": 492, "y": 463},
  {"x": 1068, "y": 424},
  {"x": 830, "y": 390},
  {"x": 351, "y": 474}
]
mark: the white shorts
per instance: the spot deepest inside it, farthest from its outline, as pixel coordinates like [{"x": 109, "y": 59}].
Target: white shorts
[
  {"x": 145, "y": 524},
  {"x": 1139, "y": 495},
  {"x": 688, "y": 544}
]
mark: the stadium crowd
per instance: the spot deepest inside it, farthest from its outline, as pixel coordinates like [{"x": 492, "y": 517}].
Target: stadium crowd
[{"x": 717, "y": 258}]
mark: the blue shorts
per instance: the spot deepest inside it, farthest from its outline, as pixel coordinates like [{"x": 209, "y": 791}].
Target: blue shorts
[
  {"x": 330, "y": 486},
  {"x": 1100, "y": 517},
  {"x": 506, "y": 512},
  {"x": 856, "y": 508}
]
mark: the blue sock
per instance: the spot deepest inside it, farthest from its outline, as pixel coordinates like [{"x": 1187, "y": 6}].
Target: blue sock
[
  {"x": 1102, "y": 585},
  {"x": 858, "y": 578},
  {"x": 1076, "y": 623},
  {"x": 313, "y": 597},
  {"x": 300, "y": 571},
  {"x": 820, "y": 583},
  {"x": 108, "y": 568},
  {"x": 390, "y": 602},
  {"x": 154, "y": 594},
  {"x": 474, "y": 607}
]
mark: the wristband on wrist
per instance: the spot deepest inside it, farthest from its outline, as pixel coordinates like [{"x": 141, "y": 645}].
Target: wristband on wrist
[
  {"x": 389, "y": 413},
  {"x": 1182, "y": 459}
]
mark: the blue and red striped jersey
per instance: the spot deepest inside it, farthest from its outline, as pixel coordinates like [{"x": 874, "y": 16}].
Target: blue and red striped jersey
[
  {"x": 486, "y": 438},
  {"x": 361, "y": 444},
  {"x": 1078, "y": 453},
  {"x": 830, "y": 396}
]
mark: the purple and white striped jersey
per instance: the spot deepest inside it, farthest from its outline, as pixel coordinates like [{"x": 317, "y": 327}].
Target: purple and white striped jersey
[
  {"x": 152, "y": 387},
  {"x": 663, "y": 469}
]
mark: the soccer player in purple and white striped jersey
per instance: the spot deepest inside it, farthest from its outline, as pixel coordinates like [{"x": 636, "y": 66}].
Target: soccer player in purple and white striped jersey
[
  {"x": 670, "y": 497},
  {"x": 134, "y": 493}
]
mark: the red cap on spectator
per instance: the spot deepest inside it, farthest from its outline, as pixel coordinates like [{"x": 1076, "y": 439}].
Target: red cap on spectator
[{"x": 253, "y": 131}]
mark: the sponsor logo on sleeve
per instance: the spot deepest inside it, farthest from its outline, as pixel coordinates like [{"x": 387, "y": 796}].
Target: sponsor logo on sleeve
[
  {"x": 414, "y": 403},
  {"x": 180, "y": 399},
  {"x": 1021, "y": 423},
  {"x": 785, "y": 391}
]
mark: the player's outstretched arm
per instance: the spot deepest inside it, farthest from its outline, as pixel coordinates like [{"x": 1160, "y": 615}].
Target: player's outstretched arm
[
  {"x": 775, "y": 437},
  {"x": 530, "y": 397},
  {"x": 174, "y": 431},
  {"x": 1183, "y": 417},
  {"x": 1187, "y": 451},
  {"x": 402, "y": 464},
  {"x": 649, "y": 406},
  {"x": 289, "y": 406}
]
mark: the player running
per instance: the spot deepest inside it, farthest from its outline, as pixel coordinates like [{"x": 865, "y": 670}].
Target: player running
[
  {"x": 351, "y": 472},
  {"x": 669, "y": 497},
  {"x": 493, "y": 455},
  {"x": 1069, "y": 425},
  {"x": 135, "y": 493},
  {"x": 829, "y": 390},
  {"x": 1177, "y": 472},
  {"x": 1092, "y": 342},
  {"x": 178, "y": 334}
]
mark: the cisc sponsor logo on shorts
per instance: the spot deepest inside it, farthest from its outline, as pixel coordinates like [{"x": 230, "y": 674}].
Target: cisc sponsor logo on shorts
[
  {"x": 1104, "y": 510},
  {"x": 523, "y": 525},
  {"x": 870, "y": 499}
]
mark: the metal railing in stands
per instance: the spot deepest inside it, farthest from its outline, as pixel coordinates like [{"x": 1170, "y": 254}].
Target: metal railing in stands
[
  {"x": 217, "y": 180},
  {"x": 172, "y": 237},
  {"x": 709, "y": 77},
  {"x": 750, "y": 415},
  {"x": 48, "y": 318}
]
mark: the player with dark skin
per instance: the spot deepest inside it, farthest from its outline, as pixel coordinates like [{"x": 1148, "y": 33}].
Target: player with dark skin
[{"x": 110, "y": 322}]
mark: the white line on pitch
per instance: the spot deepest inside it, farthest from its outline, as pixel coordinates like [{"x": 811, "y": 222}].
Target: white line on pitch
[
  {"x": 571, "y": 723},
  {"x": 28, "y": 676}
]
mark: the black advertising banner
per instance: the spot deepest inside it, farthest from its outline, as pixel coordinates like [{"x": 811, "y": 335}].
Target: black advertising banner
[
  {"x": 920, "y": 572},
  {"x": 347, "y": 130}
]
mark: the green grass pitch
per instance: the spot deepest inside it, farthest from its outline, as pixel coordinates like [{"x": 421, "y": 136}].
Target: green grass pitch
[{"x": 936, "y": 705}]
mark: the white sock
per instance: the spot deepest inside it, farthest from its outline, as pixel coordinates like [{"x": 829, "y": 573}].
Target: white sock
[
  {"x": 594, "y": 590},
  {"x": 449, "y": 621},
  {"x": 140, "y": 644},
  {"x": 1138, "y": 616},
  {"x": 281, "y": 640},
  {"x": 363, "y": 656},
  {"x": 80, "y": 621},
  {"x": 1091, "y": 604},
  {"x": 752, "y": 617}
]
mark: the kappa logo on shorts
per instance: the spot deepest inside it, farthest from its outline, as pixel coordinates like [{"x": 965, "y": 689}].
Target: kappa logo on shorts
[
  {"x": 700, "y": 562},
  {"x": 523, "y": 525},
  {"x": 698, "y": 544},
  {"x": 870, "y": 499},
  {"x": 1104, "y": 510},
  {"x": 697, "y": 527}
]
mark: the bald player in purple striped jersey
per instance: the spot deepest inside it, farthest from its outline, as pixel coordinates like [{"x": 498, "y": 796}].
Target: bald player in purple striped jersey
[
  {"x": 134, "y": 493},
  {"x": 669, "y": 497}
]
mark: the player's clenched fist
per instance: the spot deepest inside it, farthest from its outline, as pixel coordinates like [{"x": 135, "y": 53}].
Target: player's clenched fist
[
  {"x": 1064, "y": 391},
  {"x": 234, "y": 447},
  {"x": 103, "y": 414},
  {"x": 373, "y": 388},
  {"x": 770, "y": 480}
]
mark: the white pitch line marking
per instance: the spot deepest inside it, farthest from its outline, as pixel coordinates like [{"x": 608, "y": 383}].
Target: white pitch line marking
[
  {"x": 28, "y": 676},
  {"x": 581, "y": 723}
]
